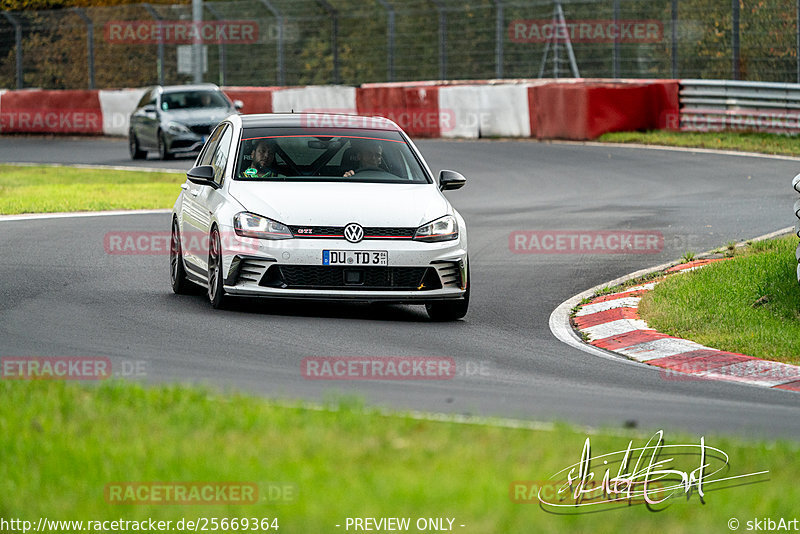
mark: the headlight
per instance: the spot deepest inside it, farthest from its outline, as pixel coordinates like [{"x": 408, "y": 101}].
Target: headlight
[
  {"x": 176, "y": 127},
  {"x": 249, "y": 225},
  {"x": 443, "y": 229}
]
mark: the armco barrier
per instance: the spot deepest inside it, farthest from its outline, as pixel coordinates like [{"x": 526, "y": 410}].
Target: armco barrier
[
  {"x": 35, "y": 111},
  {"x": 586, "y": 110}
]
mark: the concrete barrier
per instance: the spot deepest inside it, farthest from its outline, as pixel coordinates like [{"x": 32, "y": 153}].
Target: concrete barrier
[
  {"x": 255, "y": 99},
  {"x": 575, "y": 109},
  {"x": 415, "y": 108},
  {"x": 36, "y": 111},
  {"x": 589, "y": 109},
  {"x": 117, "y": 107},
  {"x": 315, "y": 98}
]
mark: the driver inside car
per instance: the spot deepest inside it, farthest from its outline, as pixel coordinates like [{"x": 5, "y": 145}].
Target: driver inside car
[
  {"x": 263, "y": 159},
  {"x": 369, "y": 156}
]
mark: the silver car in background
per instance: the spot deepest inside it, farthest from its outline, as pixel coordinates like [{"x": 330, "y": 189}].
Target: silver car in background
[{"x": 176, "y": 119}]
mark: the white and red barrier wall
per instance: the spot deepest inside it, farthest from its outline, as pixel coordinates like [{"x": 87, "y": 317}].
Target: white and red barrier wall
[{"x": 546, "y": 109}]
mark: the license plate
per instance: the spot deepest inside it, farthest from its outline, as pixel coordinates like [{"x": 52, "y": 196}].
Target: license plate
[{"x": 355, "y": 257}]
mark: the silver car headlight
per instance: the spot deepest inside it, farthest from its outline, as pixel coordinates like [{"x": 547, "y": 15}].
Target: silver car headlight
[
  {"x": 176, "y": 127},
  {"x": 250, "y": 225},
  {"x": 442, "y": 229}
]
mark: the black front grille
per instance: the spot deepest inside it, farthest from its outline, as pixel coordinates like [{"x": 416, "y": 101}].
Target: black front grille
[
  {"x": 351, "y": 278},
  {"x": 202, "y": 129},
  {"x": 337, "y": 232}
]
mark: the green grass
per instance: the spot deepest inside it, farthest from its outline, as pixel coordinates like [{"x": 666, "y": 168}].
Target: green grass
[
  {"x": 48, "y": 189},
  {"x": 61, "y": 443},
  {"x": 739, "y": 141},
  {"x": 717, "y": 305}
]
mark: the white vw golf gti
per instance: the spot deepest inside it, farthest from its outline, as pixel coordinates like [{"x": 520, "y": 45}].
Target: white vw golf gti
[{"x": 324, "y": 207}]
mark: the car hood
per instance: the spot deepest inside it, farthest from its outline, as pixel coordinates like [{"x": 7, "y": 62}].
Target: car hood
[
  {"x": 337, "y": 204},
  {"x": 192, "y": 117}
]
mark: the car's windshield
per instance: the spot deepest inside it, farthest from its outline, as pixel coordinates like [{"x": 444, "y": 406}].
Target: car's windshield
[
  {"x": 316, "y": 154},
  {"x": 193, "y": 99}
]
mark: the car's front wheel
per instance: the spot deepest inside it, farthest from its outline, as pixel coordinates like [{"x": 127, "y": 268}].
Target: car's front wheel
[
  {"x": 450, "y": 310},
  {"x": 134, "y": 148},
  {"x": 180, "y": 283},
  {"x": 163, "y": 150},
  {"x": 216, "y": 294}
]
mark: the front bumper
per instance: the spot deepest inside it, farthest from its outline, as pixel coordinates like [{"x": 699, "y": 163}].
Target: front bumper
[{"x": 292, "y": 268}]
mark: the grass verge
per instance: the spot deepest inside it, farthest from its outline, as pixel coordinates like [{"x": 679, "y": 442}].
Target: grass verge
[
  {"x": 738, "y": 141},
  {"x": 48, "y": 189},
  {"x": 749, "y": 304},
  {"x": 62, "y": 443}
]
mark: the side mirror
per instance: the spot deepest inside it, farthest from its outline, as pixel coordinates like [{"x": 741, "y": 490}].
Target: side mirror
[
  {"x": 202, "y": 175},
  {"x": 238, "y": 104},
  {"x": 451, "y": 180},
  {"x": 149, "y": 108}
]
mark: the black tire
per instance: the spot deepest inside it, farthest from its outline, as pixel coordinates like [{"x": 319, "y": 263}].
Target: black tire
[
  {"x": 133, "y": 147},
  {"x": 450, "y": 310},
  {"x": 180, "y": 283},
  {"x": 216, "y": 293},
  {"x": 163, "y": 151}
]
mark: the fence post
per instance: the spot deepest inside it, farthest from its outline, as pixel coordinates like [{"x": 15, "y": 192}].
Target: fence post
[
  {"x": 499, "y": 37},
  {"x": 735, "y": 39},
  {"x": 615, "y": 58},
  {"x": 279, "y": 18},
  {"x": 675, "y": 38},
  {"x": 160, "y": 65},
  {"x": 442, "y": 39},
  {"x": 334, "y": 36},
  {"x": 197, "y": 43},
  {"x": 216, "y": 14},
  {"x": 89, "y": 43},
  {"x": 390, "y": 38},
  {"x": 18, "y": 45}
]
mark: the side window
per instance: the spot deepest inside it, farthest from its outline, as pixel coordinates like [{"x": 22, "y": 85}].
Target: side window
[
  {"x": 220, "y": 158},
  {"x": 211, "y": 145}
]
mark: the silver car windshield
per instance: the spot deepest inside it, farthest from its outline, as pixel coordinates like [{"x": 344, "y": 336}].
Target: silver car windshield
[
  {"x": 192, "y": 100},
  {"x": 345, "y": 156}
]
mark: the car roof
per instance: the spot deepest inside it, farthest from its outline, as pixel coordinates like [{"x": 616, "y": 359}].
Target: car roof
[
  {"x": 318, "y": 120},
  {"x": 194, "y": 87}
]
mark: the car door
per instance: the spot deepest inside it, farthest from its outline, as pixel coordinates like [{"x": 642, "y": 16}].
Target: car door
[
  {"x": 146, "y": 117},
  {"x": 138, "y": 116},
  {"x": 200, "y": 201}
]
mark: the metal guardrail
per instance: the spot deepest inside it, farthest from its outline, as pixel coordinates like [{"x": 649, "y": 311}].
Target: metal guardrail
[
  {"x": 710, "y": 105},
  {"x": 796, "y": 187}
]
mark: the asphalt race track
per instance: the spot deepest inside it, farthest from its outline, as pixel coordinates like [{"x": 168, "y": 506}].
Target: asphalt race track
[{"x": 63, "y": 295}]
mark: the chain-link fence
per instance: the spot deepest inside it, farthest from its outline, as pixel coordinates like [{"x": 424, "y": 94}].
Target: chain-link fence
[{"x": 299, "y": 42}]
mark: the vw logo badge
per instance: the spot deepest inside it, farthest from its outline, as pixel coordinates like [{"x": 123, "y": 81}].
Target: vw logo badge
[{"x": 353, "y": 232}]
